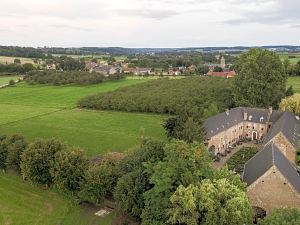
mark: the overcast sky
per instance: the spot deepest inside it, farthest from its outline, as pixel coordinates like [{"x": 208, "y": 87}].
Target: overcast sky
[{"x": 149, "y": 23}]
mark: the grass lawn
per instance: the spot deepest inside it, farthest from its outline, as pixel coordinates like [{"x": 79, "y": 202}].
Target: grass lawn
[
  {"x": 295, "y": 82},
  {"x": 95, "y": 131},
  {"x": 24, "y": 204},
  {"x": 6, "y": 79},
  {"x": 8, "y": 59},
  {"x": 57, "y": 96}
]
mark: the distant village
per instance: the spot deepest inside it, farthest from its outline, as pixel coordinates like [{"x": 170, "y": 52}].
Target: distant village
[{"x": 104, "y": 68}]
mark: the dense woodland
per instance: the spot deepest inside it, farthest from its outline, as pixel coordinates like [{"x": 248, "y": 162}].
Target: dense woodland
[
  {"x": 16, "y": 51},
  {"x": 67, "y": 77}
]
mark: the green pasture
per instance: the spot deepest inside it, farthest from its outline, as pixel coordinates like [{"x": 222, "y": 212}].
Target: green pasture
[
  {"x": 43, "y": 111},
  {"x": 295, "y": 82},
  {"x": 6, "y": 79},
  {"x": 24, "y": 204},
  {"x": 57, "y": 96},
  {"x": 294, "y": 58},
  {"x": 96, "y": 132}
]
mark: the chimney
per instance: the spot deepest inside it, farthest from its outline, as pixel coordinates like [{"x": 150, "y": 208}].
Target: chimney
[
  {"x": 270, "y": 110},
  {"x": 245, "y": 115},
  {"x": 227, "y": 112}
]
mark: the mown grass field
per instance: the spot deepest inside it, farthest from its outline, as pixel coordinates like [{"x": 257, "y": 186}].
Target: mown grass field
[
  {"x": 22, "y": 204},
  {"x": 6, "y": 79},
  {"x": 57, "y": 96},
  {"x": 42, "y": 111},
  {"x": 294, "y": 60},
  {"x": 8, "y": 59},
  {"x": 95, "y": 132},
  {"x": 295, "y": 82}
]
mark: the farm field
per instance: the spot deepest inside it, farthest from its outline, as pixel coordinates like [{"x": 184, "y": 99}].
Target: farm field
[
  {"x": 295, "y": 82},
  {"x": 292, "y": 60},
  {"x": 58, "y": 96},
  {"x": 8, "y": 59},
  {"x": 20, "y": 203},
  {"x": 96, "y": 132},
  {"x": 41, "y": 111},
  {"x": 6, "y": 79}
]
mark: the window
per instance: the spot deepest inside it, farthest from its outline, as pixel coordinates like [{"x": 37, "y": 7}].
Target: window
[{"x": 262, "y": 128}]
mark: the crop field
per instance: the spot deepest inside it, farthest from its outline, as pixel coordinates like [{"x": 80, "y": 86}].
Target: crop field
[
  {"x": 295, "y": 82},
  {"x": 8, "y": 59},
  {"x": 20, "y": 203},
  {"x": 6, "y": 79}
]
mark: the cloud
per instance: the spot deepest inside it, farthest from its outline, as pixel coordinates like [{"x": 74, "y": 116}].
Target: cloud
[
  {"x": 280, "y": 12},
  {"x": 158, "y": 14}
]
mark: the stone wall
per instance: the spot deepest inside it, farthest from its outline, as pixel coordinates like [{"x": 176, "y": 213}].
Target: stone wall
[
  {"x": 272, "y": 190},
  {"x": 285, "y": 147}
]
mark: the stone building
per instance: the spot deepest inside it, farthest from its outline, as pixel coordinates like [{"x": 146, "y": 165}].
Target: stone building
[
  {"x": 225, "y": 129},
  {"x": 271, "y": 175},
  {"x": 273, "y": 182}
]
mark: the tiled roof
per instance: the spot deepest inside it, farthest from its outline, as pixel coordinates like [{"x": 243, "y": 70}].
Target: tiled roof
[
  {"x": 288, "y": 125},
  {"x": 223, "y": 121},
  {"x": 270, "y": 156}
]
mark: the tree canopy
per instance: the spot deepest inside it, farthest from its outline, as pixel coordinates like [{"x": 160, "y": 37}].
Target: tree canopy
[{"x": 261, "y": 79}]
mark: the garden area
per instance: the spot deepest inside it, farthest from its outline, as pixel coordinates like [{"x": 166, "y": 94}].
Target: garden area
[{"x": 237, "y": 161}]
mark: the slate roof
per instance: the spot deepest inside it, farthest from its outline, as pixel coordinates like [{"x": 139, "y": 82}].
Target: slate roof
[
  {"x": 270, "y": 155},
  {"x": 288, "y": 125},
  {"x": 223, "y": 121}
]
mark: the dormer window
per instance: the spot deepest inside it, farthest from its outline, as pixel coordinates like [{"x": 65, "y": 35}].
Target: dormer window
[
  {"x": 250, "y": 117},
  {"x": 261, "y": 119}
]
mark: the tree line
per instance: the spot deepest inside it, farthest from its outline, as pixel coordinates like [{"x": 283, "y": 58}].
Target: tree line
[
  {"x": 16, "y": 68},
  {"x": 67, "y": 77},
  {"x": 156, "y": 183}
]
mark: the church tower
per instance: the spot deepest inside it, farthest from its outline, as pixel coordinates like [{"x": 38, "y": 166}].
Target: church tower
[{"x": 222, "y": 63}]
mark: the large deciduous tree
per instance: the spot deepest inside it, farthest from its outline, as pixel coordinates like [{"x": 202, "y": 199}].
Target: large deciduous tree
[
  {"x": 37, "y": 160},
  {"x": 291, "y": 104},
  {"x": 134, "y": 179},
  {"x": 100, "y": 180},
  {"x": 217, "y": 202},
  {"x": 288, "y": 216},
  {"x": 261, "y": 79},
  {"x": 68, "y": 169},
  {"x": 184, "y": 164}
]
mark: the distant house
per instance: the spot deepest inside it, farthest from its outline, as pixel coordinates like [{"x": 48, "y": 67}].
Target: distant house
[
  {"x": 137, "y": 71},
  {"x": 51, "y": 66},
  {"x": 106, "y": 70},
  {"x": 90, "y": 65},
  {"x": 192, "y": 68},
  {"x": 228, "y": 74}
]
